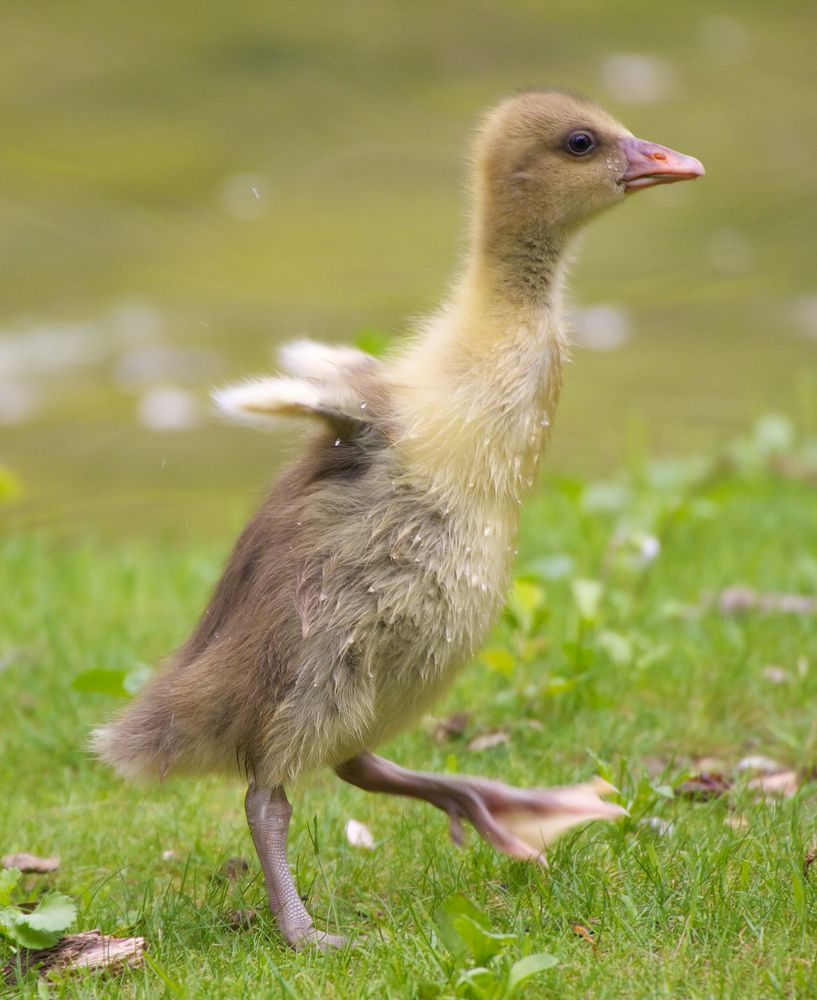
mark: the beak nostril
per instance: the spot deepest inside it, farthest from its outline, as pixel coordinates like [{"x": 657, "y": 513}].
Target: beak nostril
[{"x": 649, "y": 163}]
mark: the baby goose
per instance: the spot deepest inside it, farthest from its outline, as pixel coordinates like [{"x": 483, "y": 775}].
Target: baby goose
[{"x": 378, "y": 563}]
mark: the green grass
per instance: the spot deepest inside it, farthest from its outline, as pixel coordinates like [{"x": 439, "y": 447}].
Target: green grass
[
  {"x": 121, "y": 125},
  {"x": 647, "y": 685}
]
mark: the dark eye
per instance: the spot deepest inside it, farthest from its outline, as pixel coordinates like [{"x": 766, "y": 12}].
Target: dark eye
[{"x": 581, "y": 143}]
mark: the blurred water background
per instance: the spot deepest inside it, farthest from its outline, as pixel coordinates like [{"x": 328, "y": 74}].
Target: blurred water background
[{"x": 184, "y": 186}]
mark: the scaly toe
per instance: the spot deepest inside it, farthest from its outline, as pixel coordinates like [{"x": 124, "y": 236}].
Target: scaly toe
[{"x": 314, "y": 938}]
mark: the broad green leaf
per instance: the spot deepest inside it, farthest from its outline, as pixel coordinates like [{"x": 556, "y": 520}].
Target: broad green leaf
[
  {"x": 8, "y": 914},
  {"x": 587, "y": 595},
  {"x": 9, "y": 877},
  {"x": 530, "y": 965},
  {"x": 499, "y": 660},
  {"x": 453, "y": 907},
  {"x": 44, "y": 926},
  {"x": 482, "y": 943},
  {"x": 101, "y": 680},
  {"x": 479, "y": 983}
]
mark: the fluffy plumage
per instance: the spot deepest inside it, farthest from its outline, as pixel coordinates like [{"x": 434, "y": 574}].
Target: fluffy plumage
[
  {"x": 377, "y": 564},
  {"x": 379, "y": 561}
]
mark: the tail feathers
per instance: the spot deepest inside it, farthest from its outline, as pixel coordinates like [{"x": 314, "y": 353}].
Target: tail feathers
[
  {"x": 144, "y": 743},
  {"x": 188, "y": 720},
  {"x": 130, "y": 756}
]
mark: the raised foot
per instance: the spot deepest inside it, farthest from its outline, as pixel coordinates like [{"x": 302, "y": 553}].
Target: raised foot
[
  {"x": 522, "y": 822},
  {"x": 519, "y": 822},
  {"x": 313, "y": 938}
]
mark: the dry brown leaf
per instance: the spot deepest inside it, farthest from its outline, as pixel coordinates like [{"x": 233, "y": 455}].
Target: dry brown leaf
[
  {"x": 710, "y": 765},
  {"x": 90, "y": 950},
  {"x": 704, "y": 786},
  {"x": 656, "y": 766},
  {"x": 234, "y": 868},
  {"x": 776, "y": 675},
  {"x": 586, "y": 934},
  {"x": 792, "y": 467},
  {"x": 782, "y": 785},
  {"x": 240, "y": 920},
  {"x": 735, "y": 600},
  {"x": 789, "y": 604},
  {"x": 759, "y": 764},
  {"x": 447, "y": 729},
  {"x": 30, "y": 862},
  {"x": 487, "y": 741},
  {"x": 809, "y": 859}
]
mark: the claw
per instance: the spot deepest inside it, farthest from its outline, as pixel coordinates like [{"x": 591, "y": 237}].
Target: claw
[
  {"x": 516, "y": 821},
  {"x": 455, "y": 828},
  {"x": 520, "y": 822},
  {"x": 550, "y": 813},
  {"x": 321, "y": 940}
]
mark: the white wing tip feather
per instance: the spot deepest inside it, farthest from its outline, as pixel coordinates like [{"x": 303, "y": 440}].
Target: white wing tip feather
[
  {"x": 310, "y": 359},
  {"x": 261, "y": 397}
]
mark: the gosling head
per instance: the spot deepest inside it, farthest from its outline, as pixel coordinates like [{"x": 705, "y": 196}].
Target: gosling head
[{"x": 547, "y": 161}]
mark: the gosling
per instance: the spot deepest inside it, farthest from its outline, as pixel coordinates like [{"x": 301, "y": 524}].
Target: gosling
[{"x": 380, "y": 560}]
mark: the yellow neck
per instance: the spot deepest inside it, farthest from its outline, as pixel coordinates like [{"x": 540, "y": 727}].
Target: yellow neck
[{"x": 475, "y": 392}]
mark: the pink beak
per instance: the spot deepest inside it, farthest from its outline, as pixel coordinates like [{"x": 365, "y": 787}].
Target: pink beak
[{"x": 648, "y": 164}]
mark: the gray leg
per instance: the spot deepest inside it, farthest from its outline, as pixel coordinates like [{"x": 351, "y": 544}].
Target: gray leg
[
  {"x": 480, "y": 801},
  {"x": 268, "y": 813}
]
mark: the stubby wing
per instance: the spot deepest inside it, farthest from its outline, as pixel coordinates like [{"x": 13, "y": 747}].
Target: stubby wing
[
  {"x": 324, "y": 362},
  {"x": 324, "y": 383}
]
